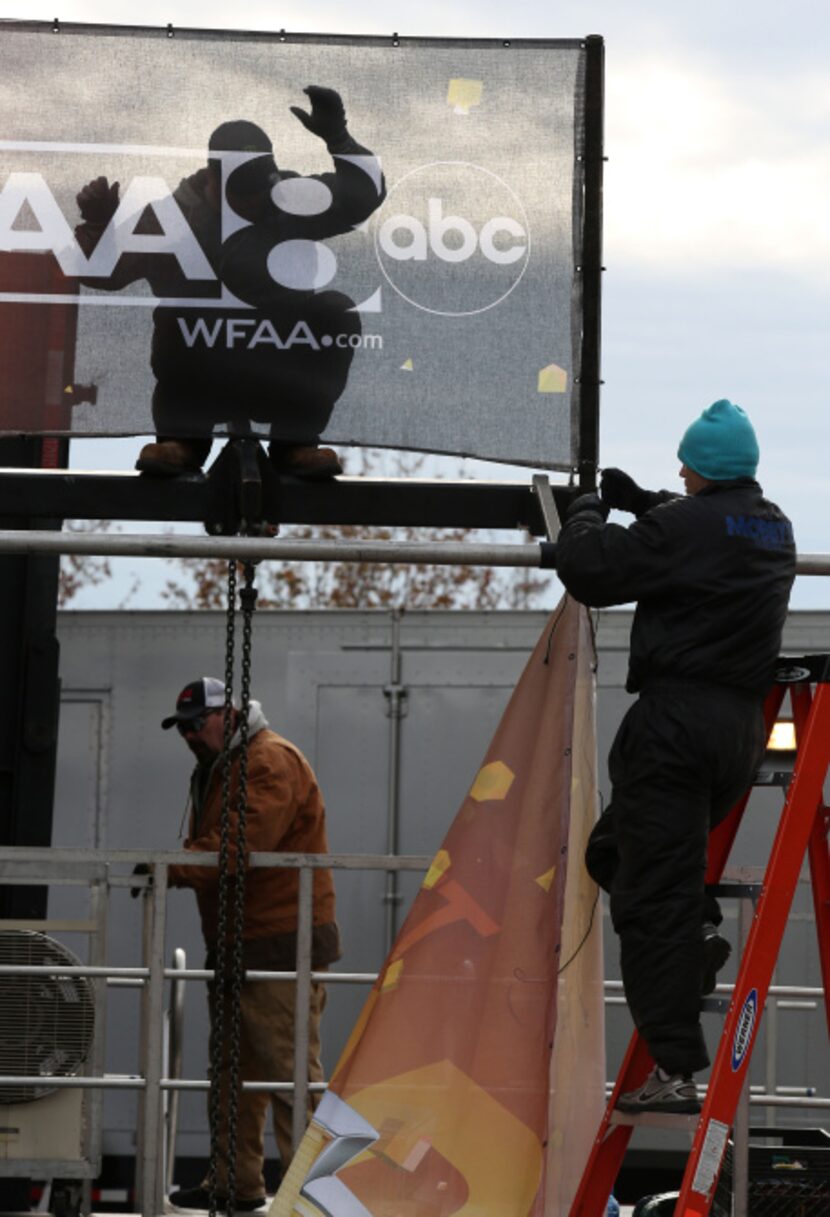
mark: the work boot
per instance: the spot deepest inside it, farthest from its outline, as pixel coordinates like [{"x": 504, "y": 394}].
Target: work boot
[
  {"x": 663, "y": 1092},
  {"x": 169, "y": 458},
  {"x": 305, "y": 461},
  {"x": 197, "y": 1200},
  {"x": 716, "y": 951}
]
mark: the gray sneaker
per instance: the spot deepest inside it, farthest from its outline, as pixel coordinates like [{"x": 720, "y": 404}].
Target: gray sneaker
[{"x": 663, "y": 1092}]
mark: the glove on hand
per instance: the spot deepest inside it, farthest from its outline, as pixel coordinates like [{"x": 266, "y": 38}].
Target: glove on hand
[
  {"x": 98, "y": 201},
  {"x": 621, "y": 491},
  {"x": 587, "y": 504},
  {"x": 141, "y": 868},
  {"x": 327, "y": 119}
]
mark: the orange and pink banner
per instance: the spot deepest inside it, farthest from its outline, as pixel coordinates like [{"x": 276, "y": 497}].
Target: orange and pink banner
[{"x": 441, "y": 1101}]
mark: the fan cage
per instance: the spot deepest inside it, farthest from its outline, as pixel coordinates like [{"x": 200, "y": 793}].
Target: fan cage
[{"x": 46, "y": 1021}]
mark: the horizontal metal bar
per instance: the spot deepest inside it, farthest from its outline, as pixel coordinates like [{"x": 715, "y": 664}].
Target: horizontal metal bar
[
  {"x": 793, "y": 1097},
  {"x": 49, "y": 926},
  {"x": 805, "y": 991},
  {"x": 270, "y": 1087},
  {"x": 135, "y": 976},
  {"x": 114, "y": 1082},
  {"x": 395, "y": 502},
  {"x": 49, "y": 969},
  {"x": 342, "y": 978},
  {"x": 645, "y": 1119},
  {"x": 63, "y": 861},
  {"x": 613, "y": 987},
  {"x": 259, "y": 549},
  {"x": 781, "y": 1100}
]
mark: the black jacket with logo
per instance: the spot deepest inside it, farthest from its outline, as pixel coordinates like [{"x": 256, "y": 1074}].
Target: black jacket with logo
[{"x": 711, "y": 574}]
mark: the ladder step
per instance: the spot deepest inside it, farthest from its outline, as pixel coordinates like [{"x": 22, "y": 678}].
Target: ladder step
[
  {"x": 742, "y": 890},
  {"x": 715, "y": 1005},
  {"x": 654, "y": 1119}
]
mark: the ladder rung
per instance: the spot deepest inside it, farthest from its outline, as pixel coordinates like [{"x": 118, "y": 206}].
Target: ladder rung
[
  {"x": 715, "y": 1005},
  {"x": 750, "y": 890},
  {"x": 654, "y": 1119}
]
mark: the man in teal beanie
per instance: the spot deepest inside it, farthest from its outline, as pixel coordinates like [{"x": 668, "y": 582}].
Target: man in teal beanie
[
  {"x": 721, "y": 444},
  {"x": 711, "y": 573}
]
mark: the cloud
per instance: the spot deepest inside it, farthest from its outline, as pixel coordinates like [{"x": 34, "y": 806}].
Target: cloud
[{"x": 710, "y": 172}]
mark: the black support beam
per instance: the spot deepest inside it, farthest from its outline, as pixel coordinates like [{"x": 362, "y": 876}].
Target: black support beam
[{"x": 438, "y": 503}]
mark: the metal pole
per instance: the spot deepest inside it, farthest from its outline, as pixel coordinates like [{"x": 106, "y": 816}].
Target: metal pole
[
  {"x": 590, "y": 268},
  {"x": 740, "y": 1146},
  {"x": 245, "y": 549},
  {"x": 258, "y": 549},
  {"x": 175, "y": 1045},
  {"x": 302, "y": 1008},
  {"x": 99, "y": 910},
  {"x": 151, "y": 1173},
  {"x": 396, "y": 696}
]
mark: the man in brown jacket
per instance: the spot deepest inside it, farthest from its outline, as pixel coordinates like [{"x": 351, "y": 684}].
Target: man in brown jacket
[{"x": 285, "y": 813}]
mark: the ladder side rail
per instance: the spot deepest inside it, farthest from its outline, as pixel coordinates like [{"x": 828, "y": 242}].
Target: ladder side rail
[
  {"x": 722, "y": 837},
  {"x": 819, "y": 855},
  {"x": 611, "y": 1142},
  {"x": 801, "y": 806}
]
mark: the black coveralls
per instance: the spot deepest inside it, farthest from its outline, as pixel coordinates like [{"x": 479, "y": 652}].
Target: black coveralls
[{"x": 711, "y": 575}]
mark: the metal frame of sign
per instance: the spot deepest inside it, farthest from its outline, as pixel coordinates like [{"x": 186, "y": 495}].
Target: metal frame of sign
[{"x": 37, "y": 491}]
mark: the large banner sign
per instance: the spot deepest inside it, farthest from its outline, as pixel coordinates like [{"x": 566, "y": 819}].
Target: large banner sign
[
  {"x": 370, "y": 241},
  {"x": 440, "y": 1104}
]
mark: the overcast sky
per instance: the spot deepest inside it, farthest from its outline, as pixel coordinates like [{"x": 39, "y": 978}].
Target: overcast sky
[{"x": 717, "y": 228}]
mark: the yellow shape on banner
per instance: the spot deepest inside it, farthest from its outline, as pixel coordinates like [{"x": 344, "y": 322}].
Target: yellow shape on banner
[
  {"x": 546, "y": 881},
  {"x": 440, "y": 865},
  {"x": 553, "y": 379},
  {"x": 407, "y": 366},
  {"x": 492, "y": 782},
  {"x": 499, "y": 1157},
  {"x": 462, "y": 94},
  {"x": 287, "y": 1199},
  {"x": 391, "y": 976}
]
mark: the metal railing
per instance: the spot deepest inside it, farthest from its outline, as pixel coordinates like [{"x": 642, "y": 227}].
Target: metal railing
[
  {"x": 258, "y": 549},
  {"x": 157, "y": 1131}
]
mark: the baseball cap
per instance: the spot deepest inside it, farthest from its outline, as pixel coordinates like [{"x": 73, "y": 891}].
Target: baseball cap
[
  {"x": 257, "y": 172},
  {"x": 201, "y": 695}
]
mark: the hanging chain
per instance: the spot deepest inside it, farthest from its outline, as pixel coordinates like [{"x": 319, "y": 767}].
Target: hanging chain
[
  {"x": 247, "y": 596},
  {"x": 218, "y": 995}
]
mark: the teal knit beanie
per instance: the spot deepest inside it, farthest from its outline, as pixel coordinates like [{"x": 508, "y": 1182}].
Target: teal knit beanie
[{"x": 721, "y": 444}]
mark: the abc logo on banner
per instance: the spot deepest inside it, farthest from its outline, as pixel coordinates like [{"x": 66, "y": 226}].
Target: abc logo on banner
[{"x": 452, "y": 238}]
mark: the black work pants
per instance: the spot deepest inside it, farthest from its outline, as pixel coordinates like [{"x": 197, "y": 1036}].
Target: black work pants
[{"x": 682, "y": 756}]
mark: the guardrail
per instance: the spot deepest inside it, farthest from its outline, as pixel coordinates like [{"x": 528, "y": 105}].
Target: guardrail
[{"x": 27, "y": 866}]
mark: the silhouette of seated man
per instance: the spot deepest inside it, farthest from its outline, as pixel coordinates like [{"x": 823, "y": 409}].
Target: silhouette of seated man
[{"x": 275, "y": 348}]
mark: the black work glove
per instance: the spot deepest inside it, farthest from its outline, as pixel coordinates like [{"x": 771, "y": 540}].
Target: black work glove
[
  {"x": 141, "y": 868},
  {"x": 98, "y": 201},
  {"x": 327, "y": 119},
  {"x": 587, "y": 506},
  {"x": 621, "y": 491}
]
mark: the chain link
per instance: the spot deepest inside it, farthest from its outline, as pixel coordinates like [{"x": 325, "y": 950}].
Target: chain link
[
  {"x": 247, "y": 597},
  {"x": 218, "y": 993}
]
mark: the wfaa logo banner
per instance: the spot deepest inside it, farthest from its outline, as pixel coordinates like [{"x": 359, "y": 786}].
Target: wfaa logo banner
[{"x": 366, "y": 241}]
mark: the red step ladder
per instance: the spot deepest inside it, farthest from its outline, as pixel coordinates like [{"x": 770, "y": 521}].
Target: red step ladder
[{"x": 803, "y": 827}]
